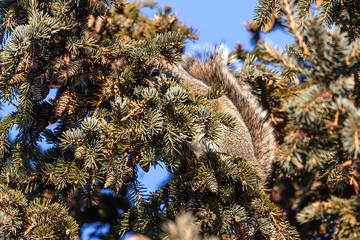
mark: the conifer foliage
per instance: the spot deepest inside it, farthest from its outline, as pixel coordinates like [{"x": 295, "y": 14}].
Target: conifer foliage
[
  {"x": 317, "y": 174},
  {"x": 105, "y": 115},
  {"x": 117, "y": 109},
  {"x": 113, "y": 112}
]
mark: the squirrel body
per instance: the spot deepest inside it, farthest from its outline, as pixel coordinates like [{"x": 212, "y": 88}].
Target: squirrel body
[{"x": 253, "y": 137}]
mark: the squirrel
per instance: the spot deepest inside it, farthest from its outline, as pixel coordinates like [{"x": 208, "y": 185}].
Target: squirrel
[{"x": 253, "y": 137}]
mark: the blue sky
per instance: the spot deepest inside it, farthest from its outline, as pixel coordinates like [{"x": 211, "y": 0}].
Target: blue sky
[{"x": 221, "y": 22}]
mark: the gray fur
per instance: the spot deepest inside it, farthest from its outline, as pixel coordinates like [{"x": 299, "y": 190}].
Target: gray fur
[{"x": 253, "y": 138}]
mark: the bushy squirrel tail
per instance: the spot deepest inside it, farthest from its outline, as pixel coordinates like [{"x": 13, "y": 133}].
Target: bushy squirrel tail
[{"x": 213, "y": 67}]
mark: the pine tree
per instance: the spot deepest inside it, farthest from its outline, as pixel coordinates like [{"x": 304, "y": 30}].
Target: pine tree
[
  {"x": 314, "y": 101},
  {"x": 113, "y": 113},
  {"x": 49, "y": 193}
]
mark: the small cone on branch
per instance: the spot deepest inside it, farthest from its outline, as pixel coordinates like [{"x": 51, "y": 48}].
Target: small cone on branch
[{"x": 168, "y": 8}]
